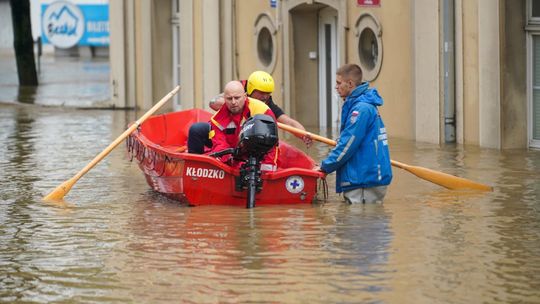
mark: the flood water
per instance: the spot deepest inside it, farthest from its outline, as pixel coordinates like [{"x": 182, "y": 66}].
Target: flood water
[{"x": 115, "y": 241}]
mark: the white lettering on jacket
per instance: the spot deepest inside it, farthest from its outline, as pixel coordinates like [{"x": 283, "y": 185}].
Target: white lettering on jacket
[{"x": 207, "y": 173}]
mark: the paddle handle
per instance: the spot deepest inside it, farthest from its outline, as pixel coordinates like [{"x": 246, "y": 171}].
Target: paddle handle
[
  {"x": 328, "y": 141},
  {"x": 301, "y": 133},
  {"x": 436, "y": 177},
  {"x": 64, "y": 188},
  {"x": 127, "y": 132}
]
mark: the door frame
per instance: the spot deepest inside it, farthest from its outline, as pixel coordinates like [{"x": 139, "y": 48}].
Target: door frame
[
  {"x": 288, "y": 48},
  {"x": 328, "y": 20},
  {"x": 533, "y": 143}
]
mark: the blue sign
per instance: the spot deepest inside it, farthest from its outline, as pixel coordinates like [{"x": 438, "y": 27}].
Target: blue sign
[
  {"x": 273, "y": 3},
  {"x": 65, "y": 24}
]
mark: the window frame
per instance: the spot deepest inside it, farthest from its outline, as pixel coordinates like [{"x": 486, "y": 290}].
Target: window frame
[
  {"x": 369, "y": 21},
  {"x": 530, "y": 19},
  {"x": 261, "y": 22},
  {"x": 532, "y": 29},
  {"x": 533, "y": 143}
]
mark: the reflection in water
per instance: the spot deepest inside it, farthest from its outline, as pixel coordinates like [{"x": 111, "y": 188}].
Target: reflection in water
[
  {"x": 27, "y": 94},
  {"x": 359, "y": 239},
  {"x": 117, "y": 241},
  {"x": 16, "y": 216},
  {"x": 518, "y": 225}
]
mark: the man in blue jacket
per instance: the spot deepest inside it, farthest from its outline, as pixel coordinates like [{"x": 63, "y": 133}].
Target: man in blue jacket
[{"x": 361, "y": 156}]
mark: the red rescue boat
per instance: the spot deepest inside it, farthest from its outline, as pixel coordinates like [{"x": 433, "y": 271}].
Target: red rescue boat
[{"x": 159, "y": 146}]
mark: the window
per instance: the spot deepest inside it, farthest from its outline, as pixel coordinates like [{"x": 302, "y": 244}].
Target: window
[
  {"x": 533, "y": 13},
  {"x": 369, "y": 32},
  {"x": 368, "y": 49},
  {"x": 533, "y": 72},
  {"x": 265, "y": 44},
  {"x": 535, "y": 8}
]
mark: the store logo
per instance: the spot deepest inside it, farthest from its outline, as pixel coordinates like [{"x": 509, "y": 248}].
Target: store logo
[{"x": 63, "y": 24}]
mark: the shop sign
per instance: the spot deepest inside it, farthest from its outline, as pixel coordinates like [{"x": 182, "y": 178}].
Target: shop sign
[
  {"x": 369, "y": 2},
  {"x": 65, "y": 24}
]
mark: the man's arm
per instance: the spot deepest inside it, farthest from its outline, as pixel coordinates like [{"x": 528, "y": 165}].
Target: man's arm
[
  {"x": 285, "y": 119},
  {"x": 348, "y": 142},
  {"x": 216, "y": 102}
]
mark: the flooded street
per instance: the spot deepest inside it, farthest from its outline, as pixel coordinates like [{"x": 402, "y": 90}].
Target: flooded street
[
  {"x": 63, "y": 81},
  {"x": 115, "y": 241}
]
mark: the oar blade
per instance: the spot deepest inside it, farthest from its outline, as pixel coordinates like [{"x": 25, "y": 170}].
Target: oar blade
[
  {"x": 436, "y": 177},
  {"x": 446, "y": 180},
  {"x": 60, "y": 191}
]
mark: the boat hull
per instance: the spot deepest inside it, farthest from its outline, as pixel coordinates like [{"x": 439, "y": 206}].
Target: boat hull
[{"x": 203, "y": 180}]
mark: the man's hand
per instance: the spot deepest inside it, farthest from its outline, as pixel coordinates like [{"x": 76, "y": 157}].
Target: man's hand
[
  {"x": 217, "y": 102},
  {"x": 307, "y": 140},
  {"x": 318, "y": 168}
]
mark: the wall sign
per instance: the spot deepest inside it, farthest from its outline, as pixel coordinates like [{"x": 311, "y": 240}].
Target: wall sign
[
  {"x": 369, "y": 2},
  {"x": 65, "y": 24}
]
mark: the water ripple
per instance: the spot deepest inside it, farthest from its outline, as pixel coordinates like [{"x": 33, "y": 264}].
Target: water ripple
[{"x": 113, "y": 240}]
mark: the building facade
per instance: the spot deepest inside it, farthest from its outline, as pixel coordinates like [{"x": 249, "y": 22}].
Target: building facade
[{"x": 448, "y": 70}]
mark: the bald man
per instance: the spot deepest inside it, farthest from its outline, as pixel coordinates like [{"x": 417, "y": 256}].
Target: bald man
[{"x": 226, "y": 124}]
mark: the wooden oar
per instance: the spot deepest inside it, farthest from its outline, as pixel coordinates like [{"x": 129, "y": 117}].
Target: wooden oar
[
  {"x": 60, "y": 191},
  {"x": 436, "y": 177}
]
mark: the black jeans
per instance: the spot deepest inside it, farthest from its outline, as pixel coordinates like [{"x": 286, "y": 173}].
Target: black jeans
[{"x": 198, "y": 137}]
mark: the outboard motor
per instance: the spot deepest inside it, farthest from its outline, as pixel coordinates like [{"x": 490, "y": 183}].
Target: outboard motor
[{"x": 257, "y": 137}]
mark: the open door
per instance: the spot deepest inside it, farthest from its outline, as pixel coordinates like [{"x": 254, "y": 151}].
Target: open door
[{"x": 328, "y": 60}]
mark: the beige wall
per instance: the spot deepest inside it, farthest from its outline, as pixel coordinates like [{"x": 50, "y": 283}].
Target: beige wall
[
  {"x": 426, "y": 71},
  {"x": 211, "y": 47},
  {"x": 187, "y": 55},
  {"x": 197, "y": 52},
  {"x": 143, "y": 54},
  {"x": 470, "y": 72},
  {"x": 246, "y": 14},
  {"x": 161, "y": 50},
  {"x": 218, "y": 44},
  {"x": 117, "y": 54},
  {"x": 514, "y": 79},
  {"x": 489, "y": 73},
  {"x": 395, "y": 80}
]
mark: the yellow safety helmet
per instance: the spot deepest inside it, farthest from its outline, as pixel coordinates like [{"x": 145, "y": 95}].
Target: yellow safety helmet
[{"x": 260, "y": 80}]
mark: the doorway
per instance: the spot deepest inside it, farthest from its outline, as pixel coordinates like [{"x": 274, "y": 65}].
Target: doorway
[{"x": 328, "y": 61}]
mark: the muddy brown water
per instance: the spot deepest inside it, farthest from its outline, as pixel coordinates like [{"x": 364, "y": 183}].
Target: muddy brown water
[{"x": 115, "y": 241}]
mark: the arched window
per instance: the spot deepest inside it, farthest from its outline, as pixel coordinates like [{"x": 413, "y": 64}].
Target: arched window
[
  {"x": 265, "y": 43},
  {"x": 370, "y": 49}
]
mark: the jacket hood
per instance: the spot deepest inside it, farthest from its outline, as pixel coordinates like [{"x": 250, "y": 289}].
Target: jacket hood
[{"x": 363, "y": 93}]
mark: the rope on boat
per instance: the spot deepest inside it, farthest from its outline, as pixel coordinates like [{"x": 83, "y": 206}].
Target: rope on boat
[
  {"x": 324, "y": 185},
  {"x": 130, "y": 143},
  {"x": 135, "y": 149},
  {"x": 149, "y": 158}
]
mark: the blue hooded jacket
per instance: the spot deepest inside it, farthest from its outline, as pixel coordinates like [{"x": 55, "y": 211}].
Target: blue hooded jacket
[{"x": 361, "y": 156}]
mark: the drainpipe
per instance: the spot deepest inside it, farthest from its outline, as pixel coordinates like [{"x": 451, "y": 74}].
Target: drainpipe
[
  {"x": 449, "y": 77},
  {"x": 236, "y": 71}
]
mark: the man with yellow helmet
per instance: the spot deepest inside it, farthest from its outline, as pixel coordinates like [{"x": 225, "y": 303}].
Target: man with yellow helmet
[{"x": 259, "y": 85}]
